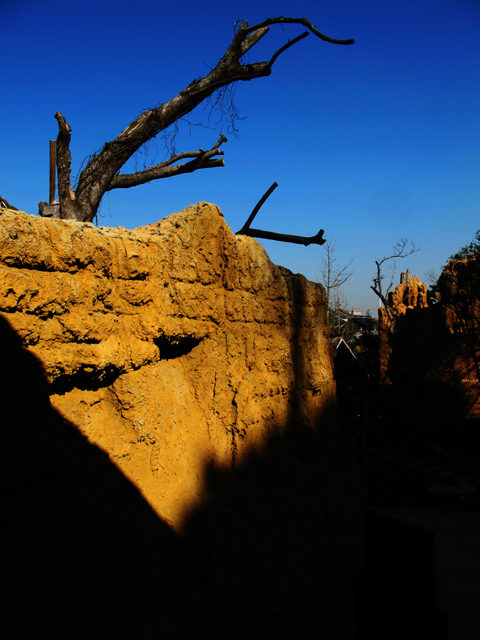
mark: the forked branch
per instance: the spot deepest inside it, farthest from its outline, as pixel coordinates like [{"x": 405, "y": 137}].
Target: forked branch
[
  {"x": 168, "y": 168},
  {"x": 246, "y": 230}
]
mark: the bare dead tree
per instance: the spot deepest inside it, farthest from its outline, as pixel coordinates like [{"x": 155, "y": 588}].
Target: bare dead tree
[
  {"x": 432, "y": 277},
  {"x": 101, "y": 174},
  {"x": 401, "y": 249},
  {"x": 332, "y": 275}
]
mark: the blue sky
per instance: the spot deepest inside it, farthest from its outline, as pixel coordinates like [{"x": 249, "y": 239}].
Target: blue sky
[{"x": 371, "y": 142}]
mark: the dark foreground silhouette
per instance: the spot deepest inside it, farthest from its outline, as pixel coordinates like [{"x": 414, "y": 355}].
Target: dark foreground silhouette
[{"x": 270, "y": 553}]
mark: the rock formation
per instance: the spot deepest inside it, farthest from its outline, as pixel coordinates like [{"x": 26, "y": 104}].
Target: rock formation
[
  {"x": 409, "y": 294},
  {"x": 168, "y": 391},
  {"x": 459, "y": 296},
  {"x": 428, "y": 359}
]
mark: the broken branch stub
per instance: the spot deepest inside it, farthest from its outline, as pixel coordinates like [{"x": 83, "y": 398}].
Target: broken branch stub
[{"x": 246, "y": 230}]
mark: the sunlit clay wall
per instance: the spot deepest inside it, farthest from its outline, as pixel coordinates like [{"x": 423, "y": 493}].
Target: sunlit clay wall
[{"x": 203, "y": 373}]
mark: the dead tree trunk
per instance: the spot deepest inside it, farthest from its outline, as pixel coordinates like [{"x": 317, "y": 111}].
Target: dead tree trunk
[{"x": 102, "y": 172}]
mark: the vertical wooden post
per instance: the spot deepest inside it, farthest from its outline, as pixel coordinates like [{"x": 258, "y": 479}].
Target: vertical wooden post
[{"x": 52, "y": 170}]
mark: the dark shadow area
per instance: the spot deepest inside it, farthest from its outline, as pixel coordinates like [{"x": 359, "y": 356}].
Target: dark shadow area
[
  {"x": 421, "y": 401},
  {"x": 396, "y": 595},
  {"x": 175, "y": 346},
  {"x": 353, "y": 383},
  {"x": 418, "y": 435},
  {"x": 90, "y": 379},
  {"x": 93, "y": 378},
  {"x": 84, "y": 554},
  {"x": 426, "y": 381},
  {"x": 270, "y": 553}
]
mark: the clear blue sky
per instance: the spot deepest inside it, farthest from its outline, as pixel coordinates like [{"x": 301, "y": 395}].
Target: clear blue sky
[{"x": 371, "y": 142}]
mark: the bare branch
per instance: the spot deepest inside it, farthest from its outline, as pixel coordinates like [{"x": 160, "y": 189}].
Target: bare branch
[
  {"x": 285, "y": 237},
  {"x": 333, "y": 276},
  {"x": 432, "y": 277},
  {"x": 400, "y": 250},
  {"x": 305, "y": 22},
  {"x": 256, "y": 209},
  {"x": 289, "y": 44},
  {"x": 202, "y": 160},
  {"x": 246, "y": 230},
  {"x": 252, "y": 39}
]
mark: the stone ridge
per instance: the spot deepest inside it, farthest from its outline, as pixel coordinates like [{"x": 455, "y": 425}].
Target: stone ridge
[{"x": 167, "y": 345}]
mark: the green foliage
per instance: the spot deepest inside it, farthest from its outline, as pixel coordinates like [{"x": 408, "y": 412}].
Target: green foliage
[
  {"x": 459, "y": 287},
  {"x": 472, "y": 249},
  {"x": 471, "y": 252}
]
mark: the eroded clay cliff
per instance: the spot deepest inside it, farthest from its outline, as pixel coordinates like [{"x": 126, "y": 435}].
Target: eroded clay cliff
[{"x": 172, "y": 379}]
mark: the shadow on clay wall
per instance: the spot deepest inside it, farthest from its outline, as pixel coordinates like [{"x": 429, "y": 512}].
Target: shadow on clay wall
[
  {"x": 87, "y": 556},
  {"x": 269, "y": 553}
]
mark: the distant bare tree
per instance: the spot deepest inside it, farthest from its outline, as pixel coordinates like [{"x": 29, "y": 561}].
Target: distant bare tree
[
  {"x": 102, "y": 173},
  {"x": 401, "y": 249},
  {"x": 432, "y": 277},
  {"x": 332, "y": 275}
]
